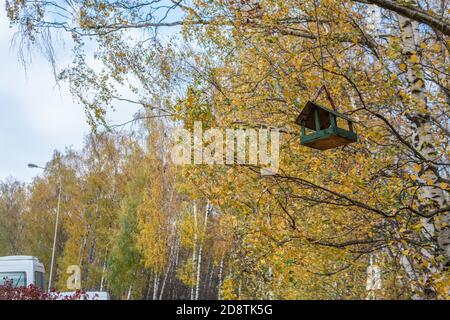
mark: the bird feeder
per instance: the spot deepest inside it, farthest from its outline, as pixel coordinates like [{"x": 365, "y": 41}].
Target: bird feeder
[{"x": 327, "y": 128}]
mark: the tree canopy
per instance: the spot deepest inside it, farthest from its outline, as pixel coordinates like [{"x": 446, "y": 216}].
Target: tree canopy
[{"x": 146, "y": 228}]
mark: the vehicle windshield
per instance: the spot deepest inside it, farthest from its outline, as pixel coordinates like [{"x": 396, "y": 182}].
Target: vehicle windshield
[{"x": 19, "y": 279}]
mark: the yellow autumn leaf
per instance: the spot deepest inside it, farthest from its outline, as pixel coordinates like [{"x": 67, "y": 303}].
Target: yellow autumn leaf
[
  {"x": 414, "y": 59},
  {"x": 437, "y": 47}
]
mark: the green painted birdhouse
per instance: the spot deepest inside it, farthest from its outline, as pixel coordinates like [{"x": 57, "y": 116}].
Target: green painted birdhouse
[{"x": 323, "y": 128}]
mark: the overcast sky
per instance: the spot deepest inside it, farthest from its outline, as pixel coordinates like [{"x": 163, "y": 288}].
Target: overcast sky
[{"x": 36, "y": 116}]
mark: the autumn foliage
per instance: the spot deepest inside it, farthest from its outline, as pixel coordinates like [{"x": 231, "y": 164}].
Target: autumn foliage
[{"x": 368, "y": 220}]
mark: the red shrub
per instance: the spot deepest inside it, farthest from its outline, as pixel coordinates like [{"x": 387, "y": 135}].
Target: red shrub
[{"x": 9, "y": 292}]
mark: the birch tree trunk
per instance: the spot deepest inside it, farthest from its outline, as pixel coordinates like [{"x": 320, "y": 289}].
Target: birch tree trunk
[
  {"x": 211, "y": 269},
  {"x": 130, "y": 289},
  {"x": 373, "y": 278},
  {"x": 219, "y": 286},
  {"x": 149, "y": 289},
  {"x": 155, "y": 286},
  {"x": 200, "y": 250},
  {"x": 105, "y": 267},
  {"x": 422, "y": 140},
  {"x": 194, "y": 247},
  {"x": 173, "y": 252},
  {"x": 270, "y": 275},
  {"x": 102, "y": 281},
  {"x": 240, "y": 288}
]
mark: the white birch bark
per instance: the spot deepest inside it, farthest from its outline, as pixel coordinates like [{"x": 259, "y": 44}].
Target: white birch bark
[
  {"x": 149, "y": 289},
  {"x": 173, "y": 252},
  {"x": 240, "y": 288},
  {"x": 373, "y": 278},
  {"x": 270, "y": 274},
  {"x": 155, "y": 286},
  {"x": 177, "y": 253},
  {"x": 422, "y": 140},
  {"x": 413, "y": 278},
  {"x": 219, "y": 286},
  {"x": 210, "y": 269},
  {"x": 194, "y": 247},
  {"x": 102, "y": 281},
  {"x": 200, "y": 251},
  {"x": 130, "y": 289}
]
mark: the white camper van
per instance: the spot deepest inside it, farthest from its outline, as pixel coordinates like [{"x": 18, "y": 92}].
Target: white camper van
[{"x": 22, "y": 271}]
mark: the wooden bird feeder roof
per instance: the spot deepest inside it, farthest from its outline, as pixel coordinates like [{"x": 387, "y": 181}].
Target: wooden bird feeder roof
[
  {"x": 327, "y": 133},
  {"x": 306, "y": 117}
]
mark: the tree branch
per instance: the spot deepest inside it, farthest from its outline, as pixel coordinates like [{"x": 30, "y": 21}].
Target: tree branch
[{"x": 415, "y": 14}]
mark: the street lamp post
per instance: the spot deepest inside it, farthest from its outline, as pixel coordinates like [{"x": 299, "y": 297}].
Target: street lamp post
[{"x": 31, "y": 165}]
